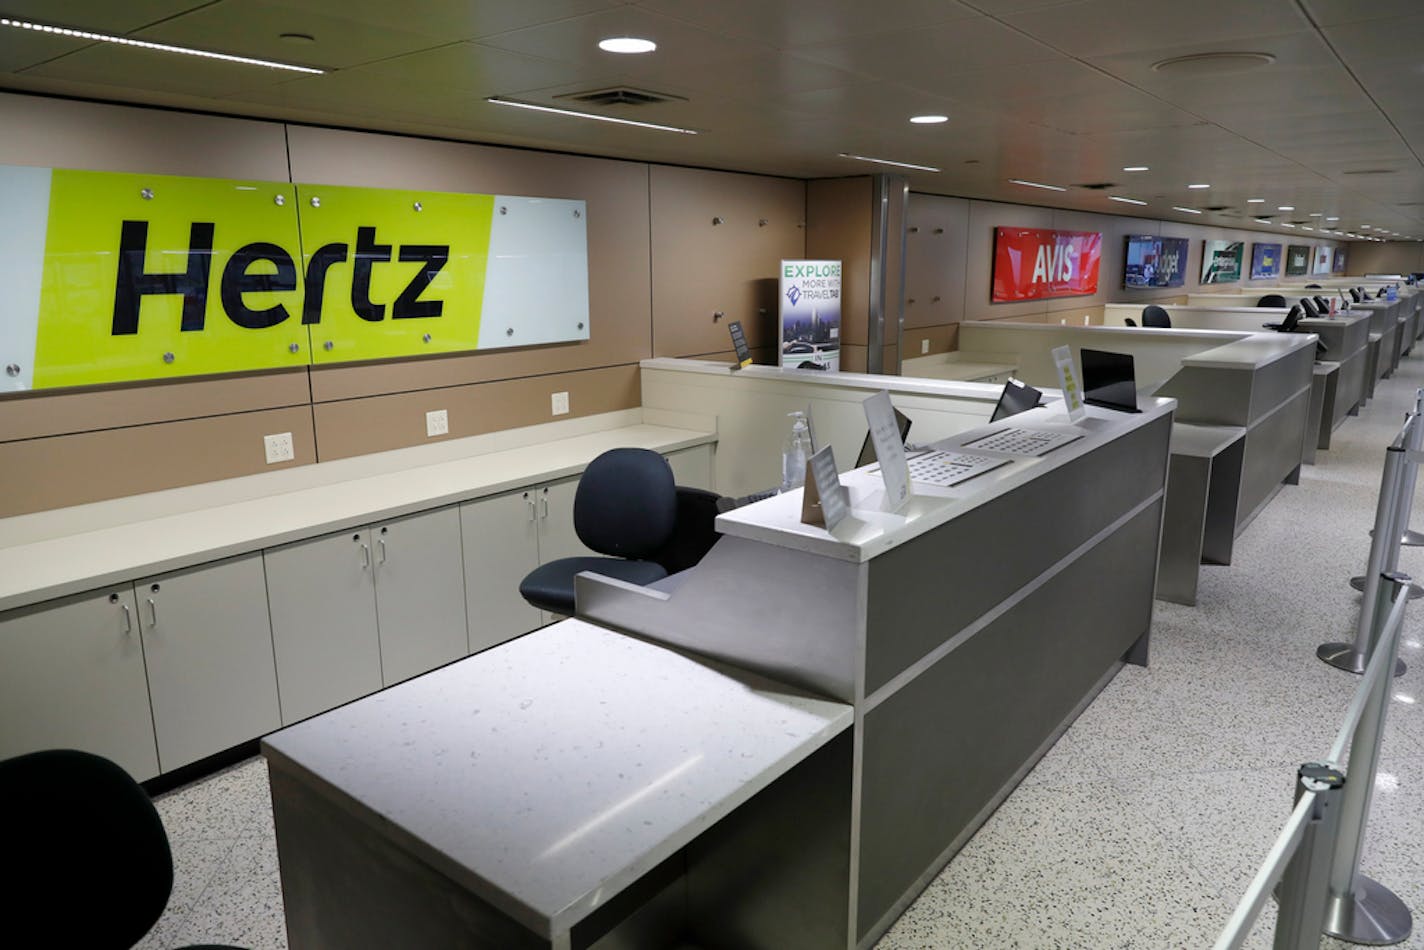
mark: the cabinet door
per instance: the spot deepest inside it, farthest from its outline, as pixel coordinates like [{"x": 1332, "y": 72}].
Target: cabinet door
[
  {"x": 322, "y": 595},
  {"x": 420, "y": 593},
  {"x": 692, "y": 467},
  {"x": 208, "y": 646},
  {"x": 501, "y": 539},
  {"x": 72, "y": 676},
  {"x": 557, "y": 537}
]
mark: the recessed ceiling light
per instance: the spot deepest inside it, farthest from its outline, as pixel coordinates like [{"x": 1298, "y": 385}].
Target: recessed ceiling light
[
  {"x": 1185, "y": 210},
  {"x": 1135, "y": 168},
  {"x": 1286, "y": 225},
  {"x": 1306, "y": 227},
  {"x": 1199, "y": 186},
  {"x": 886, "y": 161},
  {"x": 515, "y": 103},
  {"x": 626, "y": 44},
  {"x": 1332, "y": 219},
  {"x": 1286, "y": 208},
  {"x": 157, "y": 47},
  {"x": 1034, "y": 184},
  {"x": 929, "y": 119},
  {"x": 1263, "y": 220},
  {"x": 1365, "y": 227},
  {"x": 1213, "y": 64},
  {"x": 1317, "y": 214},
  {"x": 1126, "y": 201}
]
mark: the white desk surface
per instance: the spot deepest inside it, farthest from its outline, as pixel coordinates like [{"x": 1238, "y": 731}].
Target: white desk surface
[
  {"x": 870, "y": 530},
  {"x": 1254, "y": 352},
  {"x": 868, "y": 382},
  {"x": 303, "y": 502},
  {"x": 551, "y": 772}
]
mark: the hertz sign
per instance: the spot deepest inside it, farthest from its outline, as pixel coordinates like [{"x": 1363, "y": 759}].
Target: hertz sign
[{"x": 119, "y": 277}]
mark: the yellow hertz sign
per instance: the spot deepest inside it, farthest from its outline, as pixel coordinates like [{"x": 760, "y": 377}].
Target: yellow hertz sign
[{"x": 153, "y": 277}]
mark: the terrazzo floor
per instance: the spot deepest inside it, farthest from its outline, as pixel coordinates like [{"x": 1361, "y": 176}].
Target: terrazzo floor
[{"x": 1142, "y": 827}]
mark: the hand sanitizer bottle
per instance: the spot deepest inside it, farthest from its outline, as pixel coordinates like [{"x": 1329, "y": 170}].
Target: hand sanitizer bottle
[{"x": 794, "y": 453}]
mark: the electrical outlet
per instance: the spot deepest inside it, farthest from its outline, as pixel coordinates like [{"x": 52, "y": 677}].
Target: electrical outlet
[
  {"x": 437, "y": 422},
  {"x": 560, "y": 403},
  {"x": 924, "y": 347},
  {"x": 279, "y": 447}
]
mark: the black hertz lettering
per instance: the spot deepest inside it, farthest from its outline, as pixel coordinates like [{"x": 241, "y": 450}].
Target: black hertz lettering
[{"x": 277, "y": 273}]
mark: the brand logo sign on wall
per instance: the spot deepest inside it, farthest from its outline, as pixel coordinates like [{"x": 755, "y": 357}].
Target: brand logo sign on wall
[
  {"x": 1265, "y": 261},
  {"x": 120, "y": 277},
  {"x": 1221, "y": 261},
  {"x": 1032, "y": 263},
  {"x": 1297, "y": 259}
]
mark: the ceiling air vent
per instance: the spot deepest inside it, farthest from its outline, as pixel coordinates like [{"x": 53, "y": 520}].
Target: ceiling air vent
[
  {"x": 1371, "y": 171},
  {"x": 1098, "y": 185},
  {"x": 620, "y": 96},
  {"x": 1218, "y": 207}
]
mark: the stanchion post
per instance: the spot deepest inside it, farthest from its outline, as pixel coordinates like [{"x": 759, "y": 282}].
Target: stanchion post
[
  {"x": 1305, "y": 887},
  {"x": 1360, "y": 910}
]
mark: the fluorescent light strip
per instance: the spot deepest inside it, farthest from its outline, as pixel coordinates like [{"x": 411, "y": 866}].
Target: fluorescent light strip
[
  {"x": 1255, "y": 201},
  {"x": 1034, "y": 184},
  {"x": 1185, "y": 210},
  {"x": 1126, "y": 201},
  {"x": 515, "y": 103},
  {"x": 158, "y": 47},
  {"x": 886, "y": 161},
  {"x": 1135, "y": 168}
]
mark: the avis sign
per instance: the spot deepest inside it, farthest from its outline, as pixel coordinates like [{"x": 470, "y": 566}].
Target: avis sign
[
  {"x": 1033, "y": 263},
  {"x": 121, "y": 277}
]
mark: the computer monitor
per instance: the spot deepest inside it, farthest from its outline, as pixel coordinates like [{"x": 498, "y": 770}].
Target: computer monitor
[
  {"x": 1109, "y": 380},
  {"x": 867, "y": 448},
  {"x": 1017, "y": 397}
]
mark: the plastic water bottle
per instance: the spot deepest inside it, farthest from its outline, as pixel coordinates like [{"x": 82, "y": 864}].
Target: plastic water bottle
[{"x": 795, "y": 452}]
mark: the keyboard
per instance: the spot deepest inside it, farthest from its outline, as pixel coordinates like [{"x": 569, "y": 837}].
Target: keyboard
[
  {"x": 944, "y": 469},
  {"x": 1031, "y": 442}
]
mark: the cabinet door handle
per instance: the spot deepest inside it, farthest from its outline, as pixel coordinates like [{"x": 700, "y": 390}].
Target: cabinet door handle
[
  {"x": 544, "y": 500},
  {"x": 152, "y": 612},
  {"x": 365, "y": 557},
  {"x": 382, "y": 543},
  {"x": 128, "y": 618},
  {"x": 533, "y": 512}
]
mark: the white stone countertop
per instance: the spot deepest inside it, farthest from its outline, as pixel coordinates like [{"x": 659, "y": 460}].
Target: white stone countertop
[
  {"x": 551, "y": 772},
  {"x": 70, "y": 550},
  {"x": 870, "y": 530}
]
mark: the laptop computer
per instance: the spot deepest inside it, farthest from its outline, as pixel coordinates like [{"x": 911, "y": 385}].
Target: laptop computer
[
  {"x": 1109, "y": 381},
  {"x": 1017, "y": 397}
]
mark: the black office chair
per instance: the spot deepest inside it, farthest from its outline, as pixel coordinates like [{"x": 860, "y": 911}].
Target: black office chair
[
  {"x": 1308, "y": 306},
  {"x": 1271, "y": 300},
  {"x": 89, "y": 860},
  {"x": 1129, "y": 321},
  {"x": 1354, "y": 295},
  {"x": 626, "y": 508},
  {"x": 695, "y": 531},
  {"x": 1322, "y": 305},
  {"x": 1155, "y": 316},
  {"x": 1313, "y": 287},
  {"x": 810, "y": 364},
  {"x": 1289, "y": 324}
]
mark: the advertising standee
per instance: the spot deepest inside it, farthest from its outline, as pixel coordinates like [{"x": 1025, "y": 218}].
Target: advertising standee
[{"x": 811, "y": 314}]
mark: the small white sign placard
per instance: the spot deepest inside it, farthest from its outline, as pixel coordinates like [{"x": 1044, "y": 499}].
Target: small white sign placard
[
  {"x": 1068, "y": 382},
  {"x": 834, "y": 497},
  {"x": 885, "y": 436}
]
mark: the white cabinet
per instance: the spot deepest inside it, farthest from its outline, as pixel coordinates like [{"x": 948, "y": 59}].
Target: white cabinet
[
  {"x": 692, "y": 467},
  {"x": 72, "y": 676},
  {"x": 322, "y": 595},
  {"x": 420, "y": 593},
  {"x": 207, "y": 644}
]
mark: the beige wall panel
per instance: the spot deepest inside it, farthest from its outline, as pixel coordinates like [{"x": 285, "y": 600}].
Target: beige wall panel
[
  {"x": 39, "y": 414},
  {"x": 379, "y": 423},
  {"x": 1367, "y": 257},
  {"x": 853, "y": 358},
  {"x": 61, "y": 133},
  {"x": 935, "y": 260},
  {"x": 74, "y": 469},
  {"x": 942, "y": 339},
  {"x": 618, "y": 248},
  {"x": 700, "y": 268},
  {"x": 838, "y": 228}
]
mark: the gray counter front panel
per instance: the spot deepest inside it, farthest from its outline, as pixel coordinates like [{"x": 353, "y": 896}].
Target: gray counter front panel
[
  {"x": 925, "y": 591},
  {"x": 1209, "y": 396},
  {"x": 993, "y": 702},
  {"x": 1273, "y": 451}
]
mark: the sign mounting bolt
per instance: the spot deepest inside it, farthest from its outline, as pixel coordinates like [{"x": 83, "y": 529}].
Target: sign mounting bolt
[
  {"x": 14, "y": 368},
  {"x": 146, "y": 194},
  {"x": 315, "y": 202},
  {"x": 418, "y": 206},
  {"x": 294, "y": 348},
  {"x": 328, "y": 346},
  {"x": 279, "y": 200},
  {"x": 426, "y": 338},
  {"x": 168, "y": 357}
]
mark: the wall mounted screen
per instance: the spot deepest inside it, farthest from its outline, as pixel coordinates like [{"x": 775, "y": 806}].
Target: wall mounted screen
[
  {"x": 1033, "y": 263},
  {"x": 1338, "y": 265},
  {"x": 1265, "y": 261},
  {"x": 1221, "y": 261},
  {"x": 1322, "y": 260},
  {"x": 123, "y": 277},
  {"x": 1297, "y": 260},
  {"x": 1155, "y": 261}
]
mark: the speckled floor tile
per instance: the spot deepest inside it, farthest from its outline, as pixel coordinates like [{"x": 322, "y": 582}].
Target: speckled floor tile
[
  {"x": 222, "y": 806},
  {"x": 195, "y": 862},
  {"x": 242, "y": 905}
]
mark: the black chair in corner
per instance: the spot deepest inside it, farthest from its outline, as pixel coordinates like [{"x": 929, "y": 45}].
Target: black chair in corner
[
  {"x": 1308, "y": 306},
  {"x": 1322, "y": 305},
  {"x": 1313, "y": 287},
  {"x": 1155, "y": 316},
  {"x": 1289, "y": 324},
  {"x": 1129, "y": 321},
  {"x": 695, "y": 531},
  {"x": 89, "y": 857},
  {"x": 1271, "y": 300},
  {"x": 625, "y": 508},
  {"x": 1354, "y": 295}
]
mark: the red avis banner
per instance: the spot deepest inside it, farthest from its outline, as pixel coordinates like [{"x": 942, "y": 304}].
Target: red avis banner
[{"x": 1031, "y": 263}]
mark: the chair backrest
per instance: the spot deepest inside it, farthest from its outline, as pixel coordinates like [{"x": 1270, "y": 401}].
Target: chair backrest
[
  {"x": 1313, "y": 287},
  {"x": 626, "y": 503},
  {"x": 1308, "y": 306},
  {"x": 1129, "y": 321},
  {"x": 1292, "y": 319},
  {"x": 1155, "y": 316},
  {"x": 1271, "y": 300},
  {"x": 1322, "y": 305},
  {"x": 88, "y": 854},
  {"x": 696, "y": 530},
  {"x": 1354, "y": 295}
]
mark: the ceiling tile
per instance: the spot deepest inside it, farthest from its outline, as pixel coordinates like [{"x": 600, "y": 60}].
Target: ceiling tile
[
  {"x": 448, "y": 20},
  {"x": 796, "y": 23},
  {"x": 22, "y": 48},
  {"x": 1106, "y": 27},
  {"x": 923, "y": 58},
  {"x": 575, "y": 40},
  {"x": 102, "y": 16},
  {"x": 1375, "y": 42},
  {"x": 125, "y": 68},
  {"x": 1329, "y": 12},
  {"x": 765, "y": 74}
]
